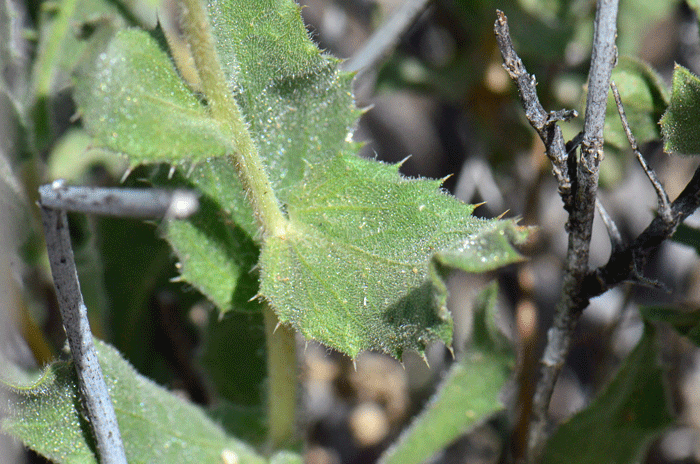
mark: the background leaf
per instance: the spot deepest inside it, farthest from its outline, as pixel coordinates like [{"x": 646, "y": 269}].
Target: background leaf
[
  {"x": 644, "y": 98},
  {"x": 467, "y": 395},
  {"x": 60, "y": 48},
  {"x": 680, "y": 124},
  {"x": 617, "y": 425},
  {"x": 687, "y": 235},
  {"x": 686, "y": 321},
  {"x": 156, "y": 426}
]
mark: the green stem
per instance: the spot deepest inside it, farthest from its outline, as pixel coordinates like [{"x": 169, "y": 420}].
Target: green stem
[
  {"x": 224, "y": 109},
  {"x": 281, "y": 348},
  {"x": 50, "y": 48},
  {"x": 282, "y": 378}
]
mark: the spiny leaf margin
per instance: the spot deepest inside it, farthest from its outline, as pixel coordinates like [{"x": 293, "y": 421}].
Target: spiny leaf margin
[
  {"x": 363, "y": 262},
  {"x": 298, "y": 107}
]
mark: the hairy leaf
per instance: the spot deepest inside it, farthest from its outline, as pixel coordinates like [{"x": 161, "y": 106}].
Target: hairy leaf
[
  {"x": 680, "y": 124},
  {"x": 619, "y": 424},
  {"x": 156, "y": 426},
  {"x": 361, "y": 264},
  {"x": 135, "y": 103},
  {"x": 297, "y": 104},
  {"x": 354, "y": 270}
]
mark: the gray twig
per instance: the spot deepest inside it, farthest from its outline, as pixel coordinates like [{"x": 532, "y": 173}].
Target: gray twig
[
  {"x": 580, "y": 223},
  {"x": 625, "y": 262},
  {"x": 55, "y": 200},
  {"x": 624, "y": 265},
  {"x": 664, "y": 202},
  {"x": 545, "y": 123},
  {"x": 386, "y": 37},
  {"x": 133, "y": 203},
  {"x": 93, "y": 390},
  {"x": 613, "y": 232},
  {"x": 578, "y": 183}
]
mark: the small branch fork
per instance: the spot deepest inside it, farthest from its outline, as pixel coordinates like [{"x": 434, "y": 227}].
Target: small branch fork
[
  {"x": 578, "y": 184},
  {"x": 578, "y": 179},
  {"x": 55, "y": 200},
  {"x": 545, "y": 123}
]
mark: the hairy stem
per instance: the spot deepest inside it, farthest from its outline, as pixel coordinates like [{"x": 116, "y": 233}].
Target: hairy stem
[
  {"x": 281, "y": 352},
  {"x": 580, "y": 222},
  {"x": 282, "y": 377},
  {"x": 225, "y": 110}
]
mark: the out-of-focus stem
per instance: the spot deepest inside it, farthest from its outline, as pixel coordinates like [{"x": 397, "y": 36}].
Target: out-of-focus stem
[{"x": 282, "y": 379}]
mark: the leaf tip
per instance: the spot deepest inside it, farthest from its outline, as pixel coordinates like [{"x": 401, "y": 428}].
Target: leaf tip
[
  {"x": 401, "y": 163},
  {"x": 424, "y": 358},
  {"x": 127, "y": 172},
  {"x": 446, "y": 178}
]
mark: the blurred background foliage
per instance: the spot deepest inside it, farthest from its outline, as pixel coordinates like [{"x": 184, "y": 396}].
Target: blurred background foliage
[{"x": 441, "y": 98}]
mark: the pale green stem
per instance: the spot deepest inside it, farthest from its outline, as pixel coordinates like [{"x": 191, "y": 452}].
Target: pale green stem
[
  {"x": 50, "y": 48},
  {"x": 281, "y": 348},
  {"x": 282, "y": 378},
  {"x": 225, "y": 110}
]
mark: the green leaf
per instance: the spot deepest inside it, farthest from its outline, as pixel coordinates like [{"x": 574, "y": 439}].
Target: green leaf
[
  {"x": 686, "y": 321},
  {"x": 467, "y": 395},
  {"x": 156, "y": 426},
  {"x": 354, "y": 270},
  {"x": 298, "y": 110},
  {"x": 687, "y": 235},
  {"x": 695, "y": 5},
  {"x": 297, "y": 104},
  {"x": 135, "y": 103},
  {"x": 248, "y": 423},
  {"x": 62, "y": 28},
  {"x": 680, "y": 124},
  {"x": 644, "y": 98},
  {"x": 618, "y": 424},
  {"x": 215, "y": 256},
  {"x": 632, "y": 39},
  {"x": 73, "y": 156}
]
